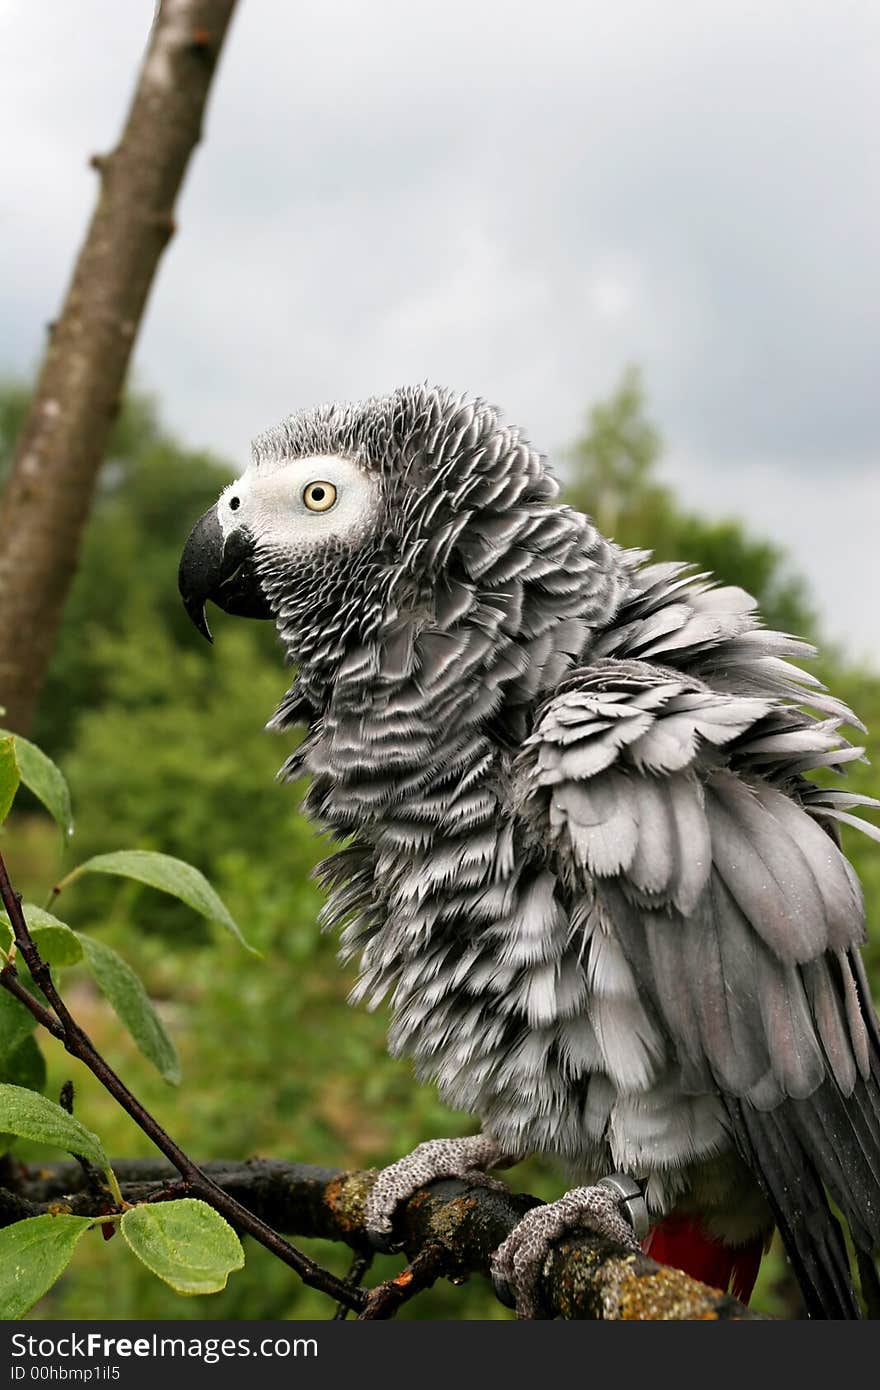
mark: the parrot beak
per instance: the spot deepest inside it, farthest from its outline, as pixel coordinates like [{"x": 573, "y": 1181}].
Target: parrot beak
[{"x": 221, "y": 569}]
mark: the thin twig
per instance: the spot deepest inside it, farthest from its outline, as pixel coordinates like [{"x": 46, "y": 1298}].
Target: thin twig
[
  {"x": 425, "y": 1269},
  {"x": 94, "y": 1177},
  {"x": 77, "y": 1042},
  {"x": 358, "y": 1268}
]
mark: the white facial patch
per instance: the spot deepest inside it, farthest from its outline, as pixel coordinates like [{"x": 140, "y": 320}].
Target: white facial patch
[{"x": 289, "y": 506}]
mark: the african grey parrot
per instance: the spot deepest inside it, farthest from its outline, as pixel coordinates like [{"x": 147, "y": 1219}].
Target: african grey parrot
[{"x": 584, "y": 856}]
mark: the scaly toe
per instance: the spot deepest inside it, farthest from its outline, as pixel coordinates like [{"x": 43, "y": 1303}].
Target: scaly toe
[
  {"x": 434, "y": 1159},
  {"x": 518, "y": 1263}
]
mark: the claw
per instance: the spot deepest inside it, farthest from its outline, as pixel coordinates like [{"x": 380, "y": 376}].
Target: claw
[
  {"x": 503, "y": 1291},
  {"x": 612, "y": 1209},
  {"x": 382, "y": 1242}
]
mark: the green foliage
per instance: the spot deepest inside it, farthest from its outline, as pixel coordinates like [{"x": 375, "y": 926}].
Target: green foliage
[
  {"x": 615, "y": 460},
  {"x": 164, "y": 872},
  {"x": 130, "y": 1001},
  {"x": 32, "y": 1116},
  {"x": 56, "y": 943},
  {"x": 150, "y": 490},
  {"x": 187, "y": 1245},
  {"x": 25, "y": 1066},
  {"x": 40, "y": 775},
  {"x": 185, "y": 1242},
  {"x": 10, "y": 775},
  {"x": 16, "y": 1024},
  {"x": 33, "y": 1254}
]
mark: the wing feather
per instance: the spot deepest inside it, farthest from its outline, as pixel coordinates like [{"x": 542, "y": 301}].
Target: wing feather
[{"x": 681, "y": 812}]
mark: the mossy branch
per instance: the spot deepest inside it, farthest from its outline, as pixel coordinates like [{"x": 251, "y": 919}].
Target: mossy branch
[{"x": 449, "y": 1228}]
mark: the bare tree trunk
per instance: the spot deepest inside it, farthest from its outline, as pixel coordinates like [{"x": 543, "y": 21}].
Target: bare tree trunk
[{"x": 47, "y": 497}]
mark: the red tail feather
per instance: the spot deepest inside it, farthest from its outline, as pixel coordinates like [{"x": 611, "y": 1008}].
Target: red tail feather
[{"x": 680, "y": 1241}]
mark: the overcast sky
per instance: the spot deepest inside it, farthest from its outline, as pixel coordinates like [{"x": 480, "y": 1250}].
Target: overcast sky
[{"x": 512, "y": 199}]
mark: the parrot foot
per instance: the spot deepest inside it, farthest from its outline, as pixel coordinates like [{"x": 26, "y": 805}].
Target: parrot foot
[
  {"x": 436, "y": 1158},
  {"x": 613, "y": 1209}
]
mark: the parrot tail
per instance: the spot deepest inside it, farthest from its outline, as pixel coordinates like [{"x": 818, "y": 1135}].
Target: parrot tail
[{"x": 680, "y": 1241}]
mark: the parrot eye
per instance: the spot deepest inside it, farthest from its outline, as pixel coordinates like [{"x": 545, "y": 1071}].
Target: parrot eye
[
  {"x": 319, "y": 497},
  {"x": 234, "y": 504}
]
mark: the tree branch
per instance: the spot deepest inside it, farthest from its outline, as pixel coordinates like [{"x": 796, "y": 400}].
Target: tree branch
[
  {"x": 448, "y": 1228},
  {"x": 48, "y": 494}
]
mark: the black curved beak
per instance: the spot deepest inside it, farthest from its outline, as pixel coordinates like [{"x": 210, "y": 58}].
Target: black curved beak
[{"x": 220, "y": 570}]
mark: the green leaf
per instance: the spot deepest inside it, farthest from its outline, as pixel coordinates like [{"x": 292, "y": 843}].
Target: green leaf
[
  {"x": 54, "y": 940},
  {"x": 16, "y": 1024},
  {"x": 42, "y": 777},
  {"x": 131, "y": 1002},
  {"x": 58, "y": 945},
  {"x": 10, "y": 776},
  {"x": 186, "y": 1243},
  {"x": 167, "y": 874},
  {"x": 37, "y": 917},
  {"x": 26, "y": 1066},
  {"x": 33, "y": 1254},
  {"x": 32, "y": 1116}
]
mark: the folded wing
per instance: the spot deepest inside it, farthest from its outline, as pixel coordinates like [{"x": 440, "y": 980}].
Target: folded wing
[{"x": 682, "y": 810}]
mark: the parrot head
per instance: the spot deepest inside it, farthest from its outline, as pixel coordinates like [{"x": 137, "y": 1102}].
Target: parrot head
[
  {"x": 273, "y": 532},
  {"x": 348, "y": 514},
  {"x": 307, "y": 535}
]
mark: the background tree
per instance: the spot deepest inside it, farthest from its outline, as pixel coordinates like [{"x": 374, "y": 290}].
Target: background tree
[{"x": 61, "y": 441}]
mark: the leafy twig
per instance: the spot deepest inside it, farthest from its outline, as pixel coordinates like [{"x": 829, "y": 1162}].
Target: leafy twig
[{"x": 76, "y": 1041}]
